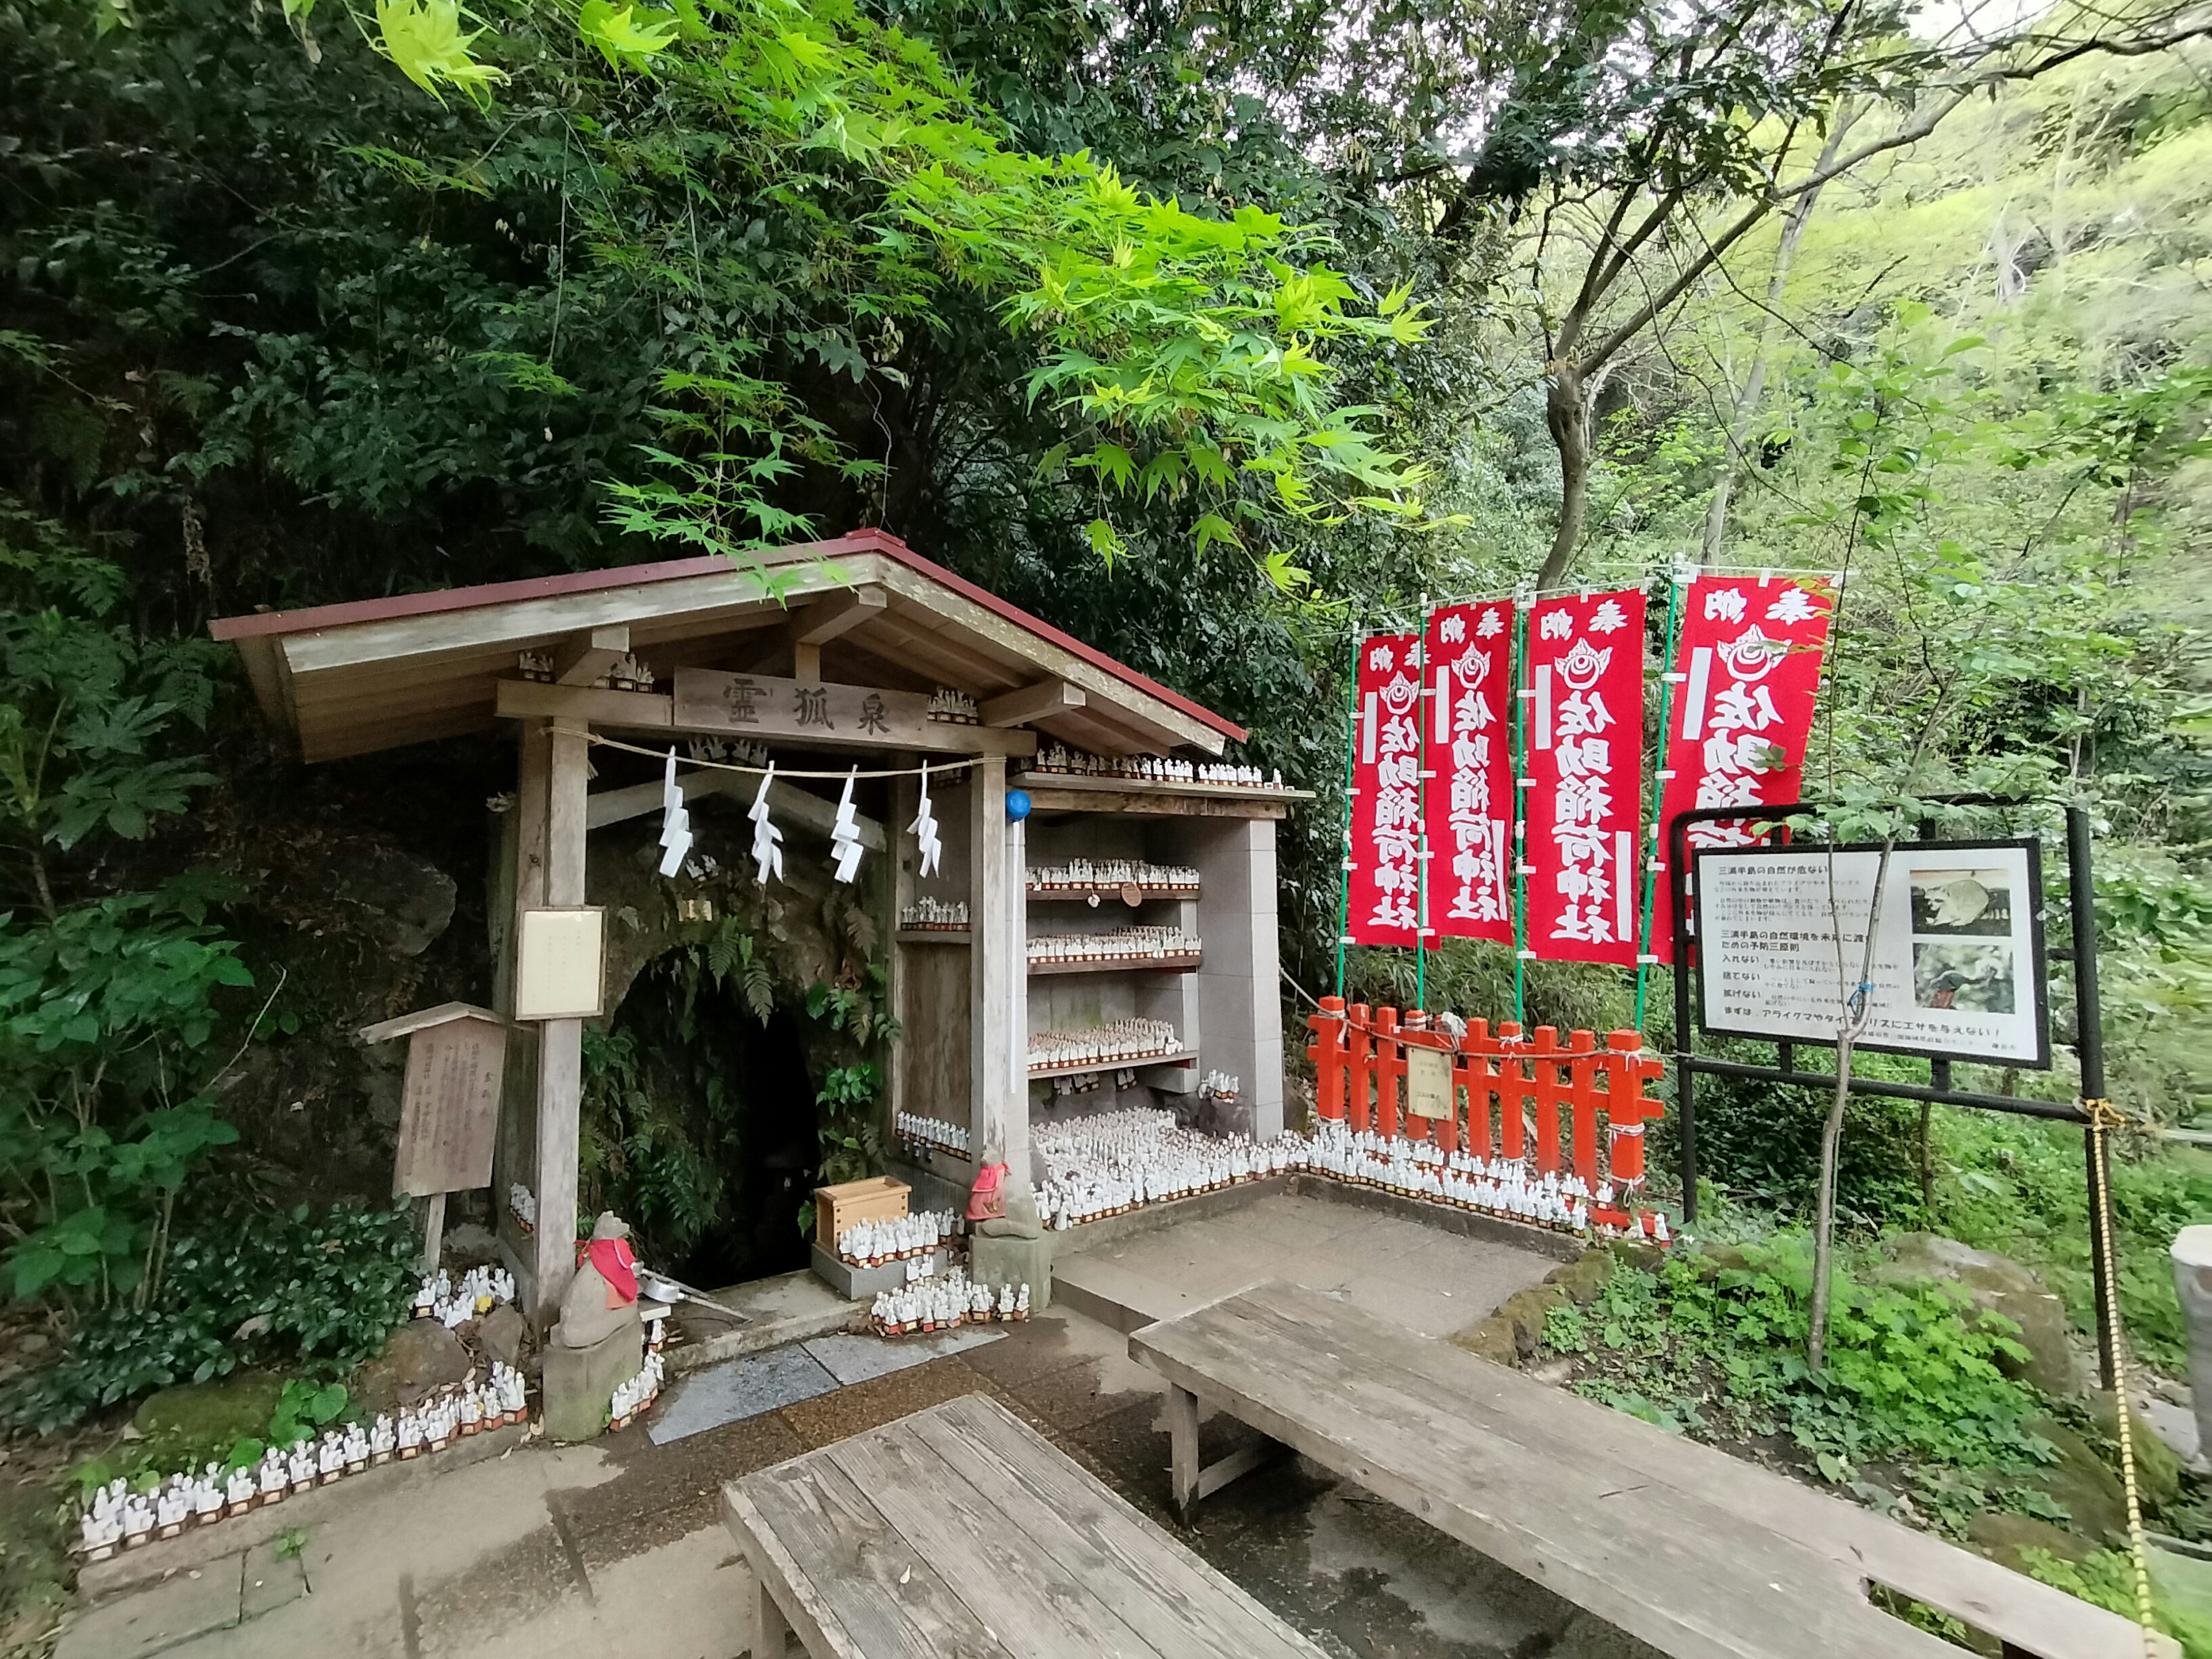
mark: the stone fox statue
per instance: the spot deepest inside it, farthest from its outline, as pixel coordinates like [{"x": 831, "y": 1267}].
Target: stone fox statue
[{"x": 603, "y": 1297}]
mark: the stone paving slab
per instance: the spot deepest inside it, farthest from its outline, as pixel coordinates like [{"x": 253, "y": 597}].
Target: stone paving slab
[
  {"x": 738, "y": 1388},
  {"x": 852, "y": 1358},
  {"x": 274, "y": 1576},
  {"x": 1429, "y": 1279},
  {"x": 193, "y": 1602}
]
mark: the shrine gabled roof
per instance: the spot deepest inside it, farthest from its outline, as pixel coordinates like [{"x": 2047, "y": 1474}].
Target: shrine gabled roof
[{"x": 376, "y": 674}]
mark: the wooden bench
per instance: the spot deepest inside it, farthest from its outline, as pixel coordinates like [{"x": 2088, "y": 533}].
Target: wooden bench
[
  {"x": 1689, "y": 1549},
  {"x": 961, "y": 1533}
]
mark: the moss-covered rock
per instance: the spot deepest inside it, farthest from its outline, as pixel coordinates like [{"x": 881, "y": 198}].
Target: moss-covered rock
[
  {"x": 189, "y": 1425},
  {"x": 2158, "y": 1471},
  {"x": 1584, "y": 1277},
  {"x": 1995, "y": 1285},
  {"x": 2002, "y": 1536},
  {"x": 1491, "y": 1339},
  {"x": 2084, "y": 1484},
  {"x": 1524, "y": 1311}
]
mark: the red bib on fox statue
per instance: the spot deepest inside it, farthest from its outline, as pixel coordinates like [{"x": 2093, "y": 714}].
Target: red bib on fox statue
[{"x": 986, "y": 1200}]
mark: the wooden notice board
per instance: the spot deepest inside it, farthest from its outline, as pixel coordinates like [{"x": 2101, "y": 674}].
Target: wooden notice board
[
  {"x": 449, "y": 1105},
  {"x": 1428, "y": 1082}
]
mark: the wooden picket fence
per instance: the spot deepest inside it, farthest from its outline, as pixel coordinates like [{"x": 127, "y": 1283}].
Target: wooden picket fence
[{"x": 1503, "y": 1086}]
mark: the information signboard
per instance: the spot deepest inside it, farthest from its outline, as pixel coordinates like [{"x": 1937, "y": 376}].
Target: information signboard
[{"x": 1959, "y": 967}]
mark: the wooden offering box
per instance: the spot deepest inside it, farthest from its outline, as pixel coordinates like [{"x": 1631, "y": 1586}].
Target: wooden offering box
[{"x": 837, "y": 1208}]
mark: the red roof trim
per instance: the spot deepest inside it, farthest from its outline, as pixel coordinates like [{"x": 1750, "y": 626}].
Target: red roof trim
[{"x": 264, "y": 624}]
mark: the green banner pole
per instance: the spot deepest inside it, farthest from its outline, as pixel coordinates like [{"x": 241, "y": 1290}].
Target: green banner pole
[
  {"x": 1520, "y": 734},
  {"x": 1344, "y": 856},
  {"x": 1668, "y": 668}
]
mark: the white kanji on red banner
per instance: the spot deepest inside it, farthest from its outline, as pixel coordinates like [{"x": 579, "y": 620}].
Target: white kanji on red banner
[
  {"x": 1383, "y": 885},
  {"x": 1469, "y": 660},
  {"x": 1746, "y": 674},
  {"x": 1583, "y": 708}
]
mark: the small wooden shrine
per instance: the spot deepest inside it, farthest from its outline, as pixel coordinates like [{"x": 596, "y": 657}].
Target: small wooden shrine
[{"x": 1101, "y": 918}]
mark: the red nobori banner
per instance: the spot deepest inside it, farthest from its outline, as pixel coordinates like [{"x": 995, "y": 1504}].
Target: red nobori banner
[
  {"x": 1747, "y": 672},
  {"x": 1384, "y": 880},
  {"x": 1582, "y": 702},
  {"x": 1469, "y": 657}
]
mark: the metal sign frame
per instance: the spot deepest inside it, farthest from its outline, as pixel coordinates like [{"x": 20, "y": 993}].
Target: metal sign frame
[
  {"x": 2080, "y": 952},
  {"x": 2037, "y": 970}
]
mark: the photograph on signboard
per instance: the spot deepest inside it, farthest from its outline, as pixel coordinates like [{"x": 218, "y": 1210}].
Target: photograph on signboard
[
  {"x": 1976, "y": 978},
  {"x": 1947, "y": 901},
  {"x": 1958, "y": 967}
]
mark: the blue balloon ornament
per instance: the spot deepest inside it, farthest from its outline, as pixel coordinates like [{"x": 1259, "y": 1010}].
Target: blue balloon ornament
[{"x": 1018, "y": 805}]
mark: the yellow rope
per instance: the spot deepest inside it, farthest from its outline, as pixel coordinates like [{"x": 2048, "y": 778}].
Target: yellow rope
[{"x": 2104, "y": 1115}]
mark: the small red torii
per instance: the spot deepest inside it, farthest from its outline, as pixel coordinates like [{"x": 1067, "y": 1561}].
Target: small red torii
[{"x": 1359, "y": 1054}]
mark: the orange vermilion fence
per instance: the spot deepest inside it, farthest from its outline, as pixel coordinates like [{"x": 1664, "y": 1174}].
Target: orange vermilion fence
[{"x": 1507, "y": 1091}]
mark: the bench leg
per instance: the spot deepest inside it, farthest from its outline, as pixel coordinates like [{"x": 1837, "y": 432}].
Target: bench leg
[
  {"x": 1183, "y": 1442},
  {"x": 764, "y": 1627}
]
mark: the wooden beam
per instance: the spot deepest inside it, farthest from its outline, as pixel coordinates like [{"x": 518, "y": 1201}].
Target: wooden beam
[
  {"x": 798, "y": 642},
  {"x": 1033, "y": 702},
  {"x": 646, "y": 711},
  {"x": 583, "y": 658},
  {"x": 837, "y": 613},
  {"x": 654, "y": 713}
]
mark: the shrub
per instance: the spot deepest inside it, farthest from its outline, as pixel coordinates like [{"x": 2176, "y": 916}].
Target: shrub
[
  {"x": 1911, "y": 1381},
  {"x": 246, "y": 1286}
]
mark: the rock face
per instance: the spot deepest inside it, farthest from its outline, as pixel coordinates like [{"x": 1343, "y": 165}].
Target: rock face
[
  {"x": 421, "y": 1355},
  {"x": 2192, "y": 1283},
  {"x": 500, "y": 1332},
  {"x": 401, "y": 901},
  {"x": 1995, "y": 1284}
]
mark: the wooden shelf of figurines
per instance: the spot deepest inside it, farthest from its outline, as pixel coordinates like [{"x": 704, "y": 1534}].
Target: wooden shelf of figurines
[
  {"x": 1045, "y": 967},
  {"x": 1119, "y": 1063}
]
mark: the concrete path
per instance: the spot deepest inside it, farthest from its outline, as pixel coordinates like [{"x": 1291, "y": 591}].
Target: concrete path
[
  {"x": 1429, "y": 1280},
  {"x": 616, "y": 1551}
]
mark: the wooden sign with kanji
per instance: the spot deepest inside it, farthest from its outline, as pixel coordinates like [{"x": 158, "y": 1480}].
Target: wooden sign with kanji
[{"x": 449, "y": 1105}]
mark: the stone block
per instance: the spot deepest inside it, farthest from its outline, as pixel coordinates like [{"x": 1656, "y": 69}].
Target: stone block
[
  {"x": 580, "y": 1383},
  {"x": 996, "y": 1261},
  {"x": 2192, "y": 1282},
  {"x": 862, "y": 1283}
]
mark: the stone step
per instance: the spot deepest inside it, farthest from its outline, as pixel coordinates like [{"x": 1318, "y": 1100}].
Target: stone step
[{"x": 1117, "y": 1296}]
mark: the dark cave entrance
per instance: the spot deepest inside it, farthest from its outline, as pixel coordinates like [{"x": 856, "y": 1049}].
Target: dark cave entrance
[{"x": 700, "y": 1127}]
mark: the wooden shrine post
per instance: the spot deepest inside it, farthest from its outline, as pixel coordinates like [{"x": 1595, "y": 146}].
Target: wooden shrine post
[
  {"x": 999, "y": 1111},
  {"x": 449, "y": 1105}
]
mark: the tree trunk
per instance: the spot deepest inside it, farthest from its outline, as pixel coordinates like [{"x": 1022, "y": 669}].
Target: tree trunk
[
  {"x": 1566, "y": 414},
  {"x": 1824, "y": 1205}
]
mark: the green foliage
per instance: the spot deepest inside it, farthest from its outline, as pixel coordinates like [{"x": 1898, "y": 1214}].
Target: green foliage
[
  {"x": 107, "y": 1003},
  {"x": 861, "y": 1009},
  {"x": 303, "y": 1410},
  {"x": 850, "y": 1141},
  {"x": 2107, "y": 1580},
  {"x": 316, "y": 1291},
  {"x": 1910, "y": 1395},
  {"x": 2017, "y": 1186},
  {"x": 642, "y": 1154},
  {"x": 1182, "y": 354},
  {"x": 85, "y": 702}
]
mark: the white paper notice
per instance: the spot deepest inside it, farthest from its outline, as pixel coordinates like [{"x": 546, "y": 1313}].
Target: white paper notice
[{"x": 1958, "y": 961}]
